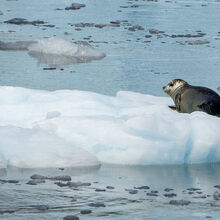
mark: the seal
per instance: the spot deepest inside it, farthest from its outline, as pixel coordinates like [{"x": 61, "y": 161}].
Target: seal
[{"x": 188, "y": 98}]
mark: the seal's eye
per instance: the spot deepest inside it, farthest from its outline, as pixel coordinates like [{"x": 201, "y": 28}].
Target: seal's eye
[{"x": 171, "y": 84}]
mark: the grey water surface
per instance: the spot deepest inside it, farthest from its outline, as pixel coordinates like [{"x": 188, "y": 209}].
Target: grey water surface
[
  {"x": 150, "y": 43},
  {"x": 114, "y": 192}
]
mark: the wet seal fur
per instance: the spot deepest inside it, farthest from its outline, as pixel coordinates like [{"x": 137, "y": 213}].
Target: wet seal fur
[{"x": 188, "y": 98}]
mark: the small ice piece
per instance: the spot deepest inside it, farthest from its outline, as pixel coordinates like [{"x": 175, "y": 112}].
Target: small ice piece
[
  {"x": 60, "y": 178},
  {"x": 59, "y": 47},
  {"x": 35, "y": 181},
  {"x": 110, "y": 187},
  {"x": 215, "y": 204},
  {"x": 96, "y": 205},
  {"x": 216, "y": 195},
  {"x": 9, "y": 181},
  {"x": 75, "y": 6},
  {"x": 18, "y": 45},
  {"x": 197, "y": 42},
  {"x": 39, "y": 177},
  {"x": 142, "y": 187},
  {"x": 132, "y": 191},
  {"x": 54, "y": 45},
  {"x": 56, "y": 51},
  {"x": 193, "y": 189},
  {"x": 217, "y": 186},
  {"x": 170, "y": 195},
  {"x": 168, "y": 189},
  {"x": 100, "y": 190},
  {"x": 71, "y": 217},
  {"x": 152, "y": 194},
  {"x": 78, "y": 184},
  {"x": 179, "y": 202},
  {"x": 85, "y": 211}
]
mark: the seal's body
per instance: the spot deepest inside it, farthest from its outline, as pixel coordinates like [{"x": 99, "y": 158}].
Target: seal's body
[{"x": 188, "y": 98}]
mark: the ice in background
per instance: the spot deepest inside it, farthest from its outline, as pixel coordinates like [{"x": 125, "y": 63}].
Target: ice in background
[
  {"x": 56, "y": 51},
  {"x": 57, "y": 129}
]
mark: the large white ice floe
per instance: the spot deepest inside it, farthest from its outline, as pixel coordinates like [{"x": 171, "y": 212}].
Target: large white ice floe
[
  {"x": 56, "y": 51},
  {"x": 42, "y": 128}
]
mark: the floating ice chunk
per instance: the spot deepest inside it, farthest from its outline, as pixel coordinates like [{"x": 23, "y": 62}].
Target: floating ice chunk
[
  {"x": 18, "y": 45},
  {"x": 61, "y": 47},
  {"x": 129, "y": 128},
  {"x": 33, "y": 148},
  {"x": 56, "y": 51},
  {"x": 55, "y": 46}
]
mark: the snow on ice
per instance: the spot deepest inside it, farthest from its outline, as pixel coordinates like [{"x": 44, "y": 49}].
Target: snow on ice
[{"x": 78, "y": 128}]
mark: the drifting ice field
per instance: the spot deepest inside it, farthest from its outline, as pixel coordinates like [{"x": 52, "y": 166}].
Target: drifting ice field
[{"x": 68, "y": 128}]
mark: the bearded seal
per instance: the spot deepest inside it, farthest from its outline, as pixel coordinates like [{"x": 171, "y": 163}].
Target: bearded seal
[{"x": 188, "y": 98}]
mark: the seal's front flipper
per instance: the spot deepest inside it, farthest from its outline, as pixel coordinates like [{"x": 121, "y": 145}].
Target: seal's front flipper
[
  {"x": 173, "y": 107},
  {"x": 177, "y": 102}
]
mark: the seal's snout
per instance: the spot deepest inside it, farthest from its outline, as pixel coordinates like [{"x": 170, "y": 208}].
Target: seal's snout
[{"x": 165, "y": 88}]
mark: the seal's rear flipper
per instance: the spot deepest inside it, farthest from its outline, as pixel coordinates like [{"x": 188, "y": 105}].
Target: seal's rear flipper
[
  {"x": 173, "y": 107},
  {"x": 210, "y": 107},
  {"x": 204, "y": 107}
]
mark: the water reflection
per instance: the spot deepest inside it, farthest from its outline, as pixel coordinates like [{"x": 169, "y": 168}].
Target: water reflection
[
  {"x": 59, "y": 60},
  {"x": 32, "y": 202},
  {"x": 178, "y": 177},
  {"x": 23, "y": 173}
]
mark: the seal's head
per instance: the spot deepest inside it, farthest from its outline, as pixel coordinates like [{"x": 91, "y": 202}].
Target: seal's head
[{"x": 172, "y": 87}]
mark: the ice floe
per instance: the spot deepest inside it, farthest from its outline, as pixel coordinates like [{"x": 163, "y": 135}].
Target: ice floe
[
  {"x": 42, "y": 128},
  {"x": 56, "y": 51}
]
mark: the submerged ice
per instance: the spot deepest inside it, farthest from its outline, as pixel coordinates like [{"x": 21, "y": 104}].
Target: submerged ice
[
  {"x": 71, "y": 128},
  {"x": 56, "y": 51}
]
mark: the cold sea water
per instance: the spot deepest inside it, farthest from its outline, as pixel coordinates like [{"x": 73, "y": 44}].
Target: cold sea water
[{"x": 151, "y": 163}]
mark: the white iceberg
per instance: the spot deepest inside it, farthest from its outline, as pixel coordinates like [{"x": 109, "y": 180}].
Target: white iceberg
[
  {"x": 59, "y": 46},
  {"x": 56, "y": 51},
  {"x": 129, "y": 128}
]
